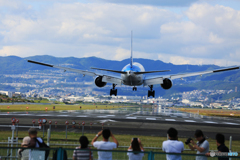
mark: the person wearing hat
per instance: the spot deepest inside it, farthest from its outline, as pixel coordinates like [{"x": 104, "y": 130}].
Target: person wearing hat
[{"x": 24, "y": 153}]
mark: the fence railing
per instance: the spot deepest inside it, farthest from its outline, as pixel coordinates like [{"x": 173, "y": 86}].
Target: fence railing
[{"x": 11, "y": 153}]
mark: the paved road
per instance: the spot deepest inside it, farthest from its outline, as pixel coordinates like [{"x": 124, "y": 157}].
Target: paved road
[{"x": 130, "y": 123}]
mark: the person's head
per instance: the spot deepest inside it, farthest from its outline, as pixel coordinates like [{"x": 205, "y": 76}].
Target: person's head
[
  {"x": 135, "y": 145},
  {"x": 26, "y": 141},
  {"x": 172, "y": 133},
  {"x": 106, "y": 133},
  {"x": 32, "y": 132},
  {"x": 83, "y": 140},
  {"x": 220, "y": 139},
  {"x": 199, "y": 135}
]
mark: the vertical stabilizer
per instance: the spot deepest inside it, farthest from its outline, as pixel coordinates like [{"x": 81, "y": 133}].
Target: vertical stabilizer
[{"x": 131, "y": 51}]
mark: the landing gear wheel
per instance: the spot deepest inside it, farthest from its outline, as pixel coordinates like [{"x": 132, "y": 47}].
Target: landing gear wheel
[
  {"x": 134, "y": 88},
  {"x": 113, "y": 91},
  {"x": 151, "y": 92}
]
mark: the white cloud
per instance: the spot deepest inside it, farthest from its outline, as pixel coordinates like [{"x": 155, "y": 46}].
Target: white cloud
[
  {"x": 71, "y": 28},
  {"x": 213, "y": 38},
  {"x": 15, "y": 50},
  {"x": 151, "y": 2},
  {"x": 195, "y": 61}
]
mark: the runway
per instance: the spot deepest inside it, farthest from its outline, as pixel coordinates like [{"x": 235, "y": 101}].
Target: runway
[{"x": 130, "y": 122}]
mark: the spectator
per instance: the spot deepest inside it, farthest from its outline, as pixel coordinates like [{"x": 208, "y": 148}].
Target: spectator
[
  {"x": 220, "y": 139},
  {"x": 24, "y": 153},
  {"x": 202, "y": 145},
  {"x": 136, "y": 145},
  {"x": 105, "y": 144},
  {"x": 33, "y": 135},
  {"x": 36, "y": 142},
  {"x": 173, "y": 145},
  {"x": 81, "y": 152}
]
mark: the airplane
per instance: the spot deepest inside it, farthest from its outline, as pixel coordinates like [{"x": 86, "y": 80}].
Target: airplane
[{"x": 133, "y": 74}]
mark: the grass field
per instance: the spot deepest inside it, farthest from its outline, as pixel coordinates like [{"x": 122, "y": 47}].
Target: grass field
[
  {"x": 37, "y": 107},
  {"x": 212, "y": 112}
]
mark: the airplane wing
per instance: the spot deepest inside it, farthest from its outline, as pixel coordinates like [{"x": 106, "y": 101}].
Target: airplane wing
[
  {"x": 159, "y": 79},
  {"x": 112, "y": 79},
  {"x": 106, "y": 78}
]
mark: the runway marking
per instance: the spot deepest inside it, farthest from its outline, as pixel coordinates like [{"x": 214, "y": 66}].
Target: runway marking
[
  {"x": 230, "y": 123},
  {"x": 189, "y": 121},
  {"x": 131, "y": 114},
  {"x": 170, "y": 120},
  {"x": 197, "y": 118},
  {"x": 151, "y": 119},
  {"x": 209, "y": 122},
  {"x": 63, "y": 115},
  {"x": 110, "y": 115},
  {"x": 131, "y": 117},
  {"x": 48, "y": 115},
  {"x": 82, "y": 116},
  {"x": 185, "y": 117},
  {"x": 24, "y": 114},
  {"x": 107, "y": 120},
  {"x": 102, "y": 116}
]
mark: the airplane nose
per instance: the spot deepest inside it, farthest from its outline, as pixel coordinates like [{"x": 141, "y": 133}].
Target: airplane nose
[{"x": 131, "y": 73}]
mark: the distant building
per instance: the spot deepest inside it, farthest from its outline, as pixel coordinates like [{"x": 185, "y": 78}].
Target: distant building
[
  {"x": 185, "y": 101},
  {"x": 52, "y": 99},
  {"x": 7, "y": 93}
]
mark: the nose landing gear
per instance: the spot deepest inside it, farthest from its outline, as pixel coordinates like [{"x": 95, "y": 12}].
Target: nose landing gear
[{"x": 134, "y": 88}]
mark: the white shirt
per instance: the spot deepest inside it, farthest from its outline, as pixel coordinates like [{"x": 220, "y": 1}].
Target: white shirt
[
  {"x": 133, "y": 156},
  {"x": 36, "y": 146},
  {"x": 173, "y": 146},
  {"x": 204, "y": 145},
  {"x": 104, "y": 146}
]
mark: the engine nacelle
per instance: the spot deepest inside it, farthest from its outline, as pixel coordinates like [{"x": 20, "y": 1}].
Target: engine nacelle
[
  {"x": 98, "y": 82},
  {"x": 167, "y": 83}
]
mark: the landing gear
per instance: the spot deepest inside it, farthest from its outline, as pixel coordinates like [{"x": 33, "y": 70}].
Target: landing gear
[
  {"x": 113, "y": 91},
  {"x": 151, "y": 92},
  {"x": 134, "y": 88}
]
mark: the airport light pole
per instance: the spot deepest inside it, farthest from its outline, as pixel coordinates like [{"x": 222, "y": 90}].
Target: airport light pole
[
  {"x": 13, "y": 128},
  {"x": 33, "y": 121},
  {"x": 66, "y": 128},
  {"x": 83, "y": 123},
  {"x": 44, "y": 121}
]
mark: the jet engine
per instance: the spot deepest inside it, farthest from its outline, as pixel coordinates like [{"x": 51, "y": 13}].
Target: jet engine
[
  {"x": 167, "y": 83},
  {"x": 98, "y": 82}
]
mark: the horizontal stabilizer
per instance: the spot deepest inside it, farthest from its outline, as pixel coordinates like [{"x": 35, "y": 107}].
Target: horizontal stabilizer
[
  {"x": 122, "y": 72},
  {"x": 151, "y": 72}
]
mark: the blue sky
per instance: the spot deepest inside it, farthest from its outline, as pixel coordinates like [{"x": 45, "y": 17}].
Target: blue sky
[{"x": 186, "y": 32}]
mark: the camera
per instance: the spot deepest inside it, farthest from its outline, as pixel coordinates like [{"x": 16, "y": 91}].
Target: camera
[
  {"x": 188, "y": 140},
  {"x": 136, "y": 139}
]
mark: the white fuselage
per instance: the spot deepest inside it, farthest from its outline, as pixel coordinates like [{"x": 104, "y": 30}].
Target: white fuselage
[{"x": 130, "y": 78}]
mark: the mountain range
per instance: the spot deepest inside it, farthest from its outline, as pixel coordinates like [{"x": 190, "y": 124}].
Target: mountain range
[{"x": 223, "y": 80}]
